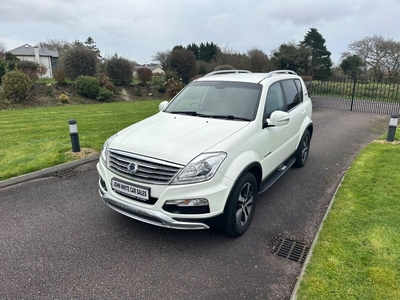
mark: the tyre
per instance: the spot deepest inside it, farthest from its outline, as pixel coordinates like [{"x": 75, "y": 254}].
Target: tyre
[
  {"x": 303, "y": 150},
  {"x": 240, "y": 206}
]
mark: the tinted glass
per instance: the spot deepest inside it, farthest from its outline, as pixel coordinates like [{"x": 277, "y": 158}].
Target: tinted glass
[
  {"x": 274, "y": 99},
  {"x": 291, "y": 93},
  {"x": 236, "y": 99},
  {"x": 299, "y": 88}
]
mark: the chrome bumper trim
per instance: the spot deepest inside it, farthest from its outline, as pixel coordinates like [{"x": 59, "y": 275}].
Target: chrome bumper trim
[{"x": 146, "y": 215}]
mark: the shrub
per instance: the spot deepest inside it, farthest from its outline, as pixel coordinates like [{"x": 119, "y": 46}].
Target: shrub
[
  {"x": 106, "y": 82},
  {"x": 173, "y": 86},
  {"x": 16, "y": 86},
  {"x": 60, "y": 76},
  {"x": 183, "y": 62},
  {"x": 111, "y": 87},
  {"x": 104, "y": 94},
  {"x": 63, "y": 98},
  {"x": 119, "y": 70},
  {"x": 30, "y": 68},
  {"x": 79, "y": 61},
  {"x": 161, "y": 89},
  {"x": 2, "y": 68},
  {"x": 49, "y": 90},
  {"x": 42, "y": 70},
  {"x": 88, "y": 86},
  {"x": 144, "y": 75}
]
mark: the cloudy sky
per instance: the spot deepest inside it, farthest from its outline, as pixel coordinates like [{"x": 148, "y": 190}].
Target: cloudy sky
[{"x": 137, "y": 29}]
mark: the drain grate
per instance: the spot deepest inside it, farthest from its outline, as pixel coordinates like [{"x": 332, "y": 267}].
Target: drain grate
[
  {"x": 291, "y": 250},
  {"x": 66, "y": 173}
]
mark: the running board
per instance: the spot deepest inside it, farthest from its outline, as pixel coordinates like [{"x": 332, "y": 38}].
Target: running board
[{"x": 270, "y": 180}]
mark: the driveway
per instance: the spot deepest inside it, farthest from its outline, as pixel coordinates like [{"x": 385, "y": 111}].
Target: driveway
[{"x": 59, "y": 241}]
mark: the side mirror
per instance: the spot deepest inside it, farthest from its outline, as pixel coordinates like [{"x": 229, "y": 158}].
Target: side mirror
[
  {"x": 278, "y": 118},
  {"x": 163, "y": 105}
]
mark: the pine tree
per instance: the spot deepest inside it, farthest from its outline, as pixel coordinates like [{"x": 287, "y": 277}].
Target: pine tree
[{"x": 320, "y": 61}]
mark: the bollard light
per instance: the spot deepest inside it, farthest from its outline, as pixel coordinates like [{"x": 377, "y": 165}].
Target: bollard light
[
  {"x": 73, "y": 133},
  {"x": 394, "y": 120}
]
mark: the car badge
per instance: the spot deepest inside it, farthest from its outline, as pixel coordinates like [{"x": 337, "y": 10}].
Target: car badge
[{"x": 132, "y": 168}]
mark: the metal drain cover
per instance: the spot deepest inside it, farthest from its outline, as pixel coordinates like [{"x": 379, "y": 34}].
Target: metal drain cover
[
  {"x": 66, "y": 173},
  {"x": 292, "y": 250}
]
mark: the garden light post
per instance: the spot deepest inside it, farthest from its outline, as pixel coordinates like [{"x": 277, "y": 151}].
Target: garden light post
[
  {"x": 73, "y": 132},
  {"x": 394, "y": 119}
]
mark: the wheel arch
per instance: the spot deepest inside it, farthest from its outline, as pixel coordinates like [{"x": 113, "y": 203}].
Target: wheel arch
[{"x": 255, "y": 169}]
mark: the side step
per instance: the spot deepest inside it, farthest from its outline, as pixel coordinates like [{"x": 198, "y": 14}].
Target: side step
[{"x": 270, "y": 180}]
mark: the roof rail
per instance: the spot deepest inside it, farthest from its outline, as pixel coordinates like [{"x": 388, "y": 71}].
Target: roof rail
[
  {"x": 272, "y": 73},
  {"x": 226, "y": 72}
]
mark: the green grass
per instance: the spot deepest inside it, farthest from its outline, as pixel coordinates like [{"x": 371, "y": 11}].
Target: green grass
[
  {"x": 357, "y": 255},
  {"x": 33, "y": 139}
]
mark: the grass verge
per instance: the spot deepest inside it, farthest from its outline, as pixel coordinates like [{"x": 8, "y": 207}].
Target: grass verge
[
  {"x": 37, "y": 138},
  {"x": 357, "y": 255}
]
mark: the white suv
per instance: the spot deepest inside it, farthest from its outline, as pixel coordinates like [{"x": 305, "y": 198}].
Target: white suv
[{"x": 201, "y": 161}]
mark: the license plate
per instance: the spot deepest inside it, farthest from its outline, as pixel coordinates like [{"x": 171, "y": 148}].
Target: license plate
[{"x": 132, "y": 191}]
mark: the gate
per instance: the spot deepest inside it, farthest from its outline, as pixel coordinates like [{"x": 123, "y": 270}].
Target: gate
[{"x": 361, "y": 95}]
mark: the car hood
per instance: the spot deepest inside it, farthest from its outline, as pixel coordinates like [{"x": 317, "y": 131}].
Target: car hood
[{"x": 175, "y": 138}]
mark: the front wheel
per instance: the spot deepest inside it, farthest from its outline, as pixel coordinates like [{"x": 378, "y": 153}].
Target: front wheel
[
  {"x": 240, "y": 206},
  {"x": 303, "y": 150}
]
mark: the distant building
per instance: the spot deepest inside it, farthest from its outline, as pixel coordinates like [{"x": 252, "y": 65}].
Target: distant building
[
  {"x": 44, "y": 58},
  {"x": 155, "y": 69}
]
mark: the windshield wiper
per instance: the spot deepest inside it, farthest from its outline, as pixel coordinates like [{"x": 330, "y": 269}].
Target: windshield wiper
[
  {"x": 229, "y": 117},
  {"x": 184, "y": 112}
]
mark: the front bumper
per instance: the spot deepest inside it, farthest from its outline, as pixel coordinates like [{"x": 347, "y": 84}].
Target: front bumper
[
  {"x": 146, "y": 215},
  {"x": 216, "y": 193}
]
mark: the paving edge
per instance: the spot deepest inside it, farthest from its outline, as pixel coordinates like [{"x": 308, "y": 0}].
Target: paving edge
[{"x": 48, "y": 171}]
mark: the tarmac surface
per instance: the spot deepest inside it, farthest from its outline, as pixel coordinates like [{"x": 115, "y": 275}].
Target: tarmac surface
[{"x": 59, "y": 241}]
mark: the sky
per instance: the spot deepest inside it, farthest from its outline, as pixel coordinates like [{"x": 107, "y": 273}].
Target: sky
[{"x": 138, "y": 29}]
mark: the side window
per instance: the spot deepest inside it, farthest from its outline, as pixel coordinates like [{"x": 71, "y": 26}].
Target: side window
[
  {"x": 299, "y": 89},
  {"x": 291, "y": 93},
  {"x": 274, "y": 99}
]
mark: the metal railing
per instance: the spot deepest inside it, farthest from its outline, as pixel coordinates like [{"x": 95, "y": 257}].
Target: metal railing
[{"x": 362, "y": 94}]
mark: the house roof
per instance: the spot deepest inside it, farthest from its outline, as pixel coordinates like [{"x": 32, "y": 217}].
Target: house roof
[
  {"x": 28, "y": 50},
  {"x": 151, "y": 67}
]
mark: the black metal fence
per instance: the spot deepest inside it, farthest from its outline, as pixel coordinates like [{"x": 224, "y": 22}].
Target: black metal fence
[{"x": 361, "y": 94}]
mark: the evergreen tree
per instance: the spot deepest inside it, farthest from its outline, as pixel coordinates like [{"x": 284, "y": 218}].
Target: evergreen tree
[
  {"x": 352, "y": 66},
  {"x": 320, "y": 61}
]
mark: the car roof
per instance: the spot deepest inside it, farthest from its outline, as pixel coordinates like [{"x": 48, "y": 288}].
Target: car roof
[{"x": 245, "y": 76}]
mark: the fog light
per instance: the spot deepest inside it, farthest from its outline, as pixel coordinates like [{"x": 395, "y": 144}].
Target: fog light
[{"x": 188, "y": 202}]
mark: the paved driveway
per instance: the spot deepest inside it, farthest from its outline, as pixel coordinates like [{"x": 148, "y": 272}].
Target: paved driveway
[{"x": 58, "y": 241}]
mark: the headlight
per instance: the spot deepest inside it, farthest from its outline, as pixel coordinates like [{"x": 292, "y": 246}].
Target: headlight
[
  {"x": 105, "y": 148},
  {"x": 202, "y": 168}
]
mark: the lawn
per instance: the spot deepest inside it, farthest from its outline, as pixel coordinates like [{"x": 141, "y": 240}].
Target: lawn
[
  {"x": 357, "y": 254},
  {"x": 36, "y": 138}
]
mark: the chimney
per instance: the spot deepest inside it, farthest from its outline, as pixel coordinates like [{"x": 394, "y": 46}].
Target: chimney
[{"x": 36, "y": 50}]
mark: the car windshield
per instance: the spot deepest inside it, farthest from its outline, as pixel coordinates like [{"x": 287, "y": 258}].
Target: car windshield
[{"x": 218, "y": 99}]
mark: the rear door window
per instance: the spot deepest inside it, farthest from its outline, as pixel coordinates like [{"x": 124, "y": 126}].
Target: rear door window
[{"x": 291, "y": 93}]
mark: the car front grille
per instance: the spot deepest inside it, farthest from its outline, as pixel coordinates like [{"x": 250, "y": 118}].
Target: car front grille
[{"x": 148, "y": 170}]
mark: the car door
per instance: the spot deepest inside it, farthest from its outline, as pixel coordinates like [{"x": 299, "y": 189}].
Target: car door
[
  {"x": 272, "y": 139},
  {"x": 294, "y": 99}
]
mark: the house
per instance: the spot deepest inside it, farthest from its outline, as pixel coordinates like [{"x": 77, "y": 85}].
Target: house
[
  {"x": 44, "y": 58},
  {"x": 155, "y": 69}
]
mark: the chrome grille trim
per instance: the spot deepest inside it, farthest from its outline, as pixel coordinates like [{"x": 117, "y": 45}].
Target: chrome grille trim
[{"x": 150, "y": 170}]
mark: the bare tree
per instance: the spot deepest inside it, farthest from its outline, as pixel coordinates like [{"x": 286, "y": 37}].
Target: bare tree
[
  {"x": 3, "y": 51},
  {"x": 372, "y": 50},
  {"x": 54, "y": 45},
  {"x": 391, "y": 62},
  {"x": 163, "y": 58},
  {"x": 259, "y": 60}
]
